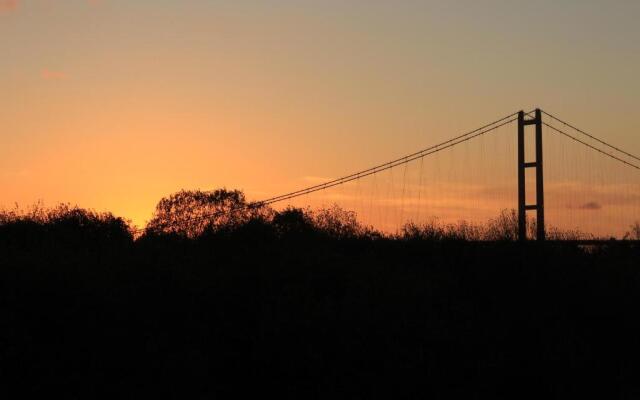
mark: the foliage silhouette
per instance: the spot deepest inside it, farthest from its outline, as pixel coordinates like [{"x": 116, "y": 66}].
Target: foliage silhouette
[
  {"x": 502, "y": 228},
  {"x": 307, "y": 304},
  {"x": 338, "y": 223},
  {"x": 192, "y": 213},
  {"x": 63, "y": 223},
  {"x": 293, "y": 222},
  {"x": 634, "y": 232}
]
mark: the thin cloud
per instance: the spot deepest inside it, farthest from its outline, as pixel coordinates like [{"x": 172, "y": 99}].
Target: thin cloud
[
  {"x": 50, "y": 75},
  {"x": 592, "y": 205},
  {"x": 7, "y": 6}
]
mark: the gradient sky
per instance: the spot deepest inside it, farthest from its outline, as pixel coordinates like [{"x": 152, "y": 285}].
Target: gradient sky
[{"x": 112, "y": 104}]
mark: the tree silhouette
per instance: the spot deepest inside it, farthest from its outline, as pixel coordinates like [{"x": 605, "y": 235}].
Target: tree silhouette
[
  {"x": 190, "y": 213},
  {"x": 293, "y": 222},
  {"x": 339, "y": 223}
]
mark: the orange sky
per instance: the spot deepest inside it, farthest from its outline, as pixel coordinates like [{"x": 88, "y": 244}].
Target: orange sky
[{"x": 113, "y": 104}]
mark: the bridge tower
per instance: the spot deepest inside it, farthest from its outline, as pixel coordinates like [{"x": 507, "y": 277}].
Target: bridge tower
[{"x": 523, "y": 164}]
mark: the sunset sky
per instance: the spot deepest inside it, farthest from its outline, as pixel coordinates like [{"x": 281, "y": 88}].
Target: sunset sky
[{"x": 112, "y": 104}]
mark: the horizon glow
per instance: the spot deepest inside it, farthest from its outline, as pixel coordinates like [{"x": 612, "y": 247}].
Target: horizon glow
[{"x": 113, "y": 104}]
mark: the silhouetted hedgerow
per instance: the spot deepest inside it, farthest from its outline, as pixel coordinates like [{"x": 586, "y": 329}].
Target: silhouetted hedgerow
[
  {"x": 502, "y": 228},
  {"x": 194, "y": 214},
  {"x": 63, "y": 223}
]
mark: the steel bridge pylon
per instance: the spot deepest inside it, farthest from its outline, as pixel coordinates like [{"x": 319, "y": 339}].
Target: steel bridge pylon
[{"x": 523, "y": 164}]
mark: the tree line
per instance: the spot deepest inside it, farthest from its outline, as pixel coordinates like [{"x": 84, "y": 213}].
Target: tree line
[{"x": 193, "y": 214}]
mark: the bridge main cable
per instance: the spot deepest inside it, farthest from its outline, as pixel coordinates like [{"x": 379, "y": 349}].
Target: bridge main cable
[
  {"x": 590, "y": 136},
  {"x": 394, "y": 163},
  {"x": 560, "y": 131},
  {"x": 370, "y": 171}
]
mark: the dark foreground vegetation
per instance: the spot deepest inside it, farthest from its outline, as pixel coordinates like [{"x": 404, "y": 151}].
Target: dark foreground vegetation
[{"x": 307, "y": 305}]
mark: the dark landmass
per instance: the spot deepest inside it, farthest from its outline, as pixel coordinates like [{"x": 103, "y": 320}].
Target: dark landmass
[{"x": 286, "y": 306}]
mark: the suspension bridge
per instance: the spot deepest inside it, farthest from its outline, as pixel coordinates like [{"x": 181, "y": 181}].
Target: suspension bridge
[{"x": 556, "y": 176}]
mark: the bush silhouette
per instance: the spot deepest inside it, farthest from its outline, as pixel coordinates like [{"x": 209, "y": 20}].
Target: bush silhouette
[
  {"x": 64, "y": 223},
  {"x": 634, "y": 231},
  {"x": 435, "y": 231},
  {"x": 293, "y": 222},
  {"x": 503, "y": 227},
  {"x": 337, "y": 223}
]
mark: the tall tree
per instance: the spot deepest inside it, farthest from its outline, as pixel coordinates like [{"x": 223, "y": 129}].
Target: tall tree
[{"x": 190, "y": 213}]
